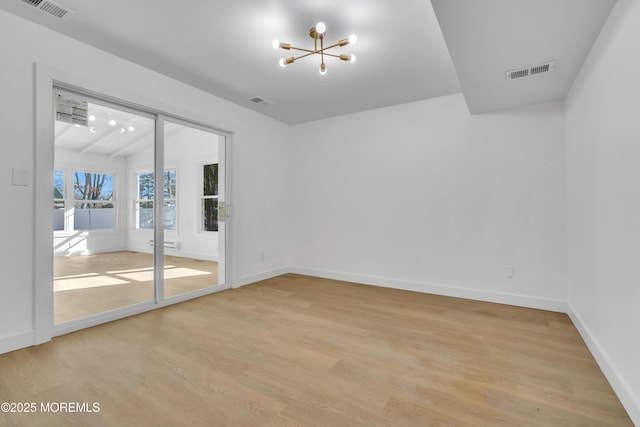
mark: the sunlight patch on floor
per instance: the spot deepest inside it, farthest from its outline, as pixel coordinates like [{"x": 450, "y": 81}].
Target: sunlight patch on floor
[
  {"x": 86, "y": 282},
  {"x": 169, "y": 273},
  {"x": 76, "y": 276}
]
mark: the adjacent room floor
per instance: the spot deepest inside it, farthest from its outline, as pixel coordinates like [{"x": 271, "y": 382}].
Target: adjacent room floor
[
  {"x": 91, "y": 284},
  {"x": 296, "y": 350}
]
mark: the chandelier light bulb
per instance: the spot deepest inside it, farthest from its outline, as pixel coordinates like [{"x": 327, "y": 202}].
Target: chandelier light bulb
[
  {"x": 352, "y": 58},
  {"x": 282, "y": 63},
  {"x": 323, "y": 69},
  {"x": 92, "y": 118},
  {"x": 353, "y": 39},
  {"x": 321, "y": 28},
  {"x": 131, "y": 128},
  {"x": 92, "y": 129},
  {"x": 112, "y": 122},
  {"x": 275, "y": 44}
]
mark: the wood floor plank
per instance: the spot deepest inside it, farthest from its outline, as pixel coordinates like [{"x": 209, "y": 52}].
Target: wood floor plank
[{"x": 302, "y": 351}]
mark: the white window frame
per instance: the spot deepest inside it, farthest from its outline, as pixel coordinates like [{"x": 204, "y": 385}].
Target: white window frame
[
  {"x": 203, "y": 197},
  {"x": 137, "y": 200}
]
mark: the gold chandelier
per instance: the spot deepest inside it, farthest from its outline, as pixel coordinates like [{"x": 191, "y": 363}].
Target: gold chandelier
[{"x": 317, "y": 34}]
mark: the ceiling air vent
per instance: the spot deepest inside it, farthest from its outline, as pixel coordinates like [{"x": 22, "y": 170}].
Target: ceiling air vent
[
  {"x": 260, "y": 100},
  {"x": 50, "y": 7},
  {"x": 519, "y": 73}
]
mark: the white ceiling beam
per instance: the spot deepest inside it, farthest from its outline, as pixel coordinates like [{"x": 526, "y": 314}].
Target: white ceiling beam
[{"x": 99, "y": 139}]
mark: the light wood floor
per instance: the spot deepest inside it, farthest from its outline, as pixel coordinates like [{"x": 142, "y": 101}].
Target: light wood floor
[
  {"x": 90, "y": 284},
  {"x": 296, "y": 350}
]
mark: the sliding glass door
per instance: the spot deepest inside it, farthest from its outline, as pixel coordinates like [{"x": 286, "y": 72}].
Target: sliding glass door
[{"x": 138, "y": 216}]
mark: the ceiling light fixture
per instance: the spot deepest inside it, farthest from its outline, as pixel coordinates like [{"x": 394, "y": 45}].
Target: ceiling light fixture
[{"x": 317, "y": 33}]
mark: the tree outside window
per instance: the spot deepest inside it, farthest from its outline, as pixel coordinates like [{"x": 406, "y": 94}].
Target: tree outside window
[
  {"x": 209, "y": 198},
  {"x": 93, "y": 201},
  {"x": 145, "y": 200}
]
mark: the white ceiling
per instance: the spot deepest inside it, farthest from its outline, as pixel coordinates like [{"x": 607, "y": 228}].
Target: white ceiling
[
  {"x": 224, "y": 47},
  {"x": 487, "y": 38},
  {"x": 129, "y": 134}
]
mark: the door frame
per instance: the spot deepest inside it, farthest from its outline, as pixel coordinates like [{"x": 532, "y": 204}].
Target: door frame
[{"x": 46, "y": 78}]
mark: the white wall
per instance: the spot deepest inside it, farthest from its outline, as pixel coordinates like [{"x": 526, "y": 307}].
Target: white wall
[
  {"x": 603, "y": 205},
  {"x": 259, "y": 166},
  {"x": 424, "y": 196},
  {"x": 94, "y": 241}
]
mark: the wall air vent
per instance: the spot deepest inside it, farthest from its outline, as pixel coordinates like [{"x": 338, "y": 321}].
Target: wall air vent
[
  {"x": 519, "y": 73},
  {"x": 50, "y": 8},
  {"x": 260, "y": 100}
]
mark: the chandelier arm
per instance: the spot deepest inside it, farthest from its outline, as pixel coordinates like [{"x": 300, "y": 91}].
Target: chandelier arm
[
  {"x": 304, "y": 56},
  {"x": 320, "y": 51},
  {"x": 329, "y": 47},
  {"x": 331, "y": 54},
  {"x": 303, "y": 50}
]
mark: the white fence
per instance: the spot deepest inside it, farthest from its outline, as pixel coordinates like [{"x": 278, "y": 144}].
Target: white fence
[{"x": 86, "y": 219}]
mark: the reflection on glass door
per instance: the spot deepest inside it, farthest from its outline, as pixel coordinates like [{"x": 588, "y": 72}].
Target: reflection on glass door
[
  {"x": 102, "y": 259},
  {"x": 193, "y": 221}
]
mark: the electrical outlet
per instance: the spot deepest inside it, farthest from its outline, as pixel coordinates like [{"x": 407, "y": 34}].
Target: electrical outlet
[{"x": 508, "y": 271}]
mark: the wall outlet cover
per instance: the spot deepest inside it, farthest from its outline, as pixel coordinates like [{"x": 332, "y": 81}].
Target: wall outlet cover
[{"x": 20, "y": 177}]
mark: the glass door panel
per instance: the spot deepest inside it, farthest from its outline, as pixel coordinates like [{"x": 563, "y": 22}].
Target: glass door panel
[
  {"x": 193, "y": 194},
  {"x": 102, "y": 257}
]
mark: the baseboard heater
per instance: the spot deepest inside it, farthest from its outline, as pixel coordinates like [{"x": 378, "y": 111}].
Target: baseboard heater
[{"x": 170, "y": 245}]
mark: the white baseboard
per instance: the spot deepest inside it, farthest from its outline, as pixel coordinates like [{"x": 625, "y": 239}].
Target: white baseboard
[
  {"x": 16, "y": 342},
  {"x": 629, "y": 400},
  {"x": 174, "y": 252},
  {"x": 475, "y": 294},
  {"x": 270, "y": 274},
  {"x": 88, "y": 252},
  {"x": 192, "y": 255}
]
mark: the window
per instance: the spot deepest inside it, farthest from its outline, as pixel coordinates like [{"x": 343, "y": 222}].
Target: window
[
  {"x": 209, "y": 198},
  {"x": 146, "y": 194},
  {"x": 93, "y": 201},
  {"x": 58, "y": 200}
]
